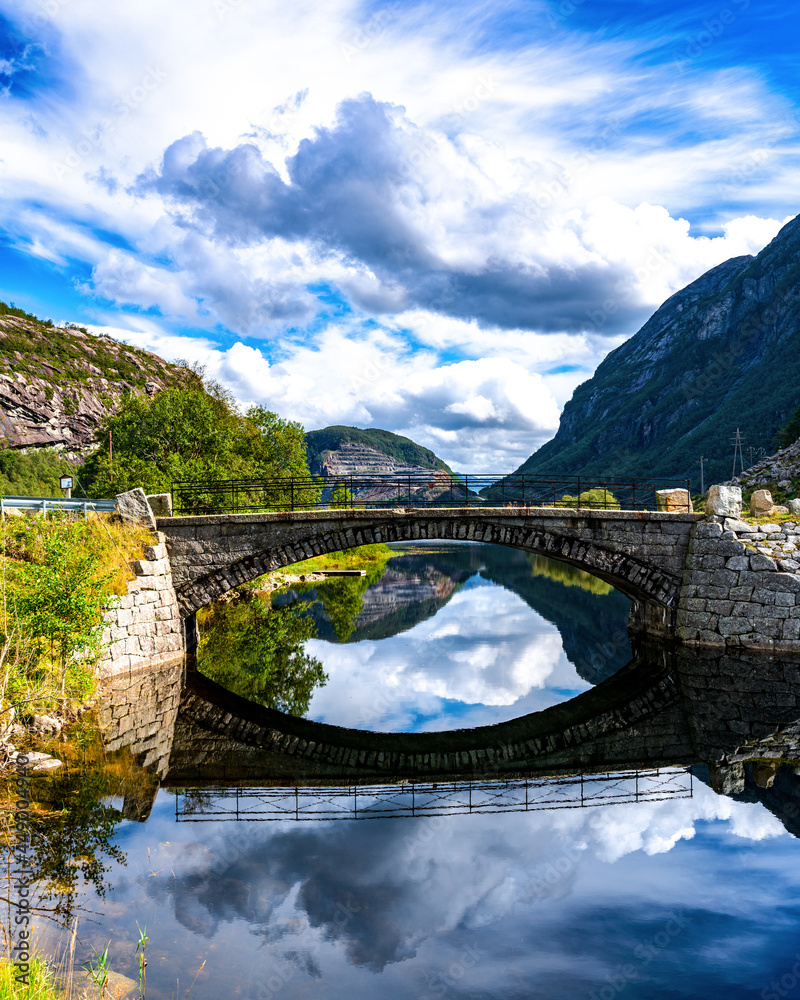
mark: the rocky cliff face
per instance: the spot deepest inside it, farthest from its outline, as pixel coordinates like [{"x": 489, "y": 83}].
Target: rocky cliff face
[
  {"x": 418, "y": 476},
  {"x": 57, "y": 384},
  {"x": 720, "y": 354}
]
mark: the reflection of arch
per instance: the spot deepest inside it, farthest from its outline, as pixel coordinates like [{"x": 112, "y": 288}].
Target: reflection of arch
[
  {"x": 220, "y": 736},
  {"x": 633, "y": 552}
]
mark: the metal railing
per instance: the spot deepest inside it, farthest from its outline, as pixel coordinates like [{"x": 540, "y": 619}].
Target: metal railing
[
  {"x": 47, "y": 504},
  {"x": 448, "y": 798},
  {"x": 437, "y": 489}
]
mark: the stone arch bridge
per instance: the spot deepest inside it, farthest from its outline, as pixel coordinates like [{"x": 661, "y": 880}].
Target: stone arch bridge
[{"x": 641, "y": 553}]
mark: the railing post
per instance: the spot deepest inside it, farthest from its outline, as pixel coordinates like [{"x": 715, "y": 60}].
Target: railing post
[
  {"x": 466, "y": 489},
  {"x": 292, "y": 493}
]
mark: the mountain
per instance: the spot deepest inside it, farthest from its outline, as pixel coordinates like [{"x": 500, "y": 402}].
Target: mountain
[
  {"x": 722, "y": 354},
  {"x": 339, "y": 453},
  {"x": 57, "y": 383}
]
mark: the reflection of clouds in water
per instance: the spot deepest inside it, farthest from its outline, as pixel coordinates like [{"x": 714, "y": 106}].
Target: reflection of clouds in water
[
  {"x": 486, "y": 647},
  {"x": 386, "y": 892}
]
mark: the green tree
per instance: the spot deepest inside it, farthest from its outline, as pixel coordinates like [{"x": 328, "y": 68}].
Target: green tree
[
  {"x": 63, "y": 597},
  {"x": 257, "y": 652},
  {"x": 341, "y": 498},
  {"x": 191, "y": 432},
  {"x": 33, "y": 473}
]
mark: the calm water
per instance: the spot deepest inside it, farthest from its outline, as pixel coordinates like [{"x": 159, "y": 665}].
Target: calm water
[
  {"x": 464, "y": 635},
  {"x": 648, "y": 885}
]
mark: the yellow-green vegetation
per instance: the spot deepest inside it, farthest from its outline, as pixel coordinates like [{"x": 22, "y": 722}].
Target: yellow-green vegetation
[
  {"x": 776, "y": 518},
  {"x": 362, "y": 557},
  {"x": 569, "y": 575},
  {"x": 58, "y": 575},
  {"x": 597, "y": 497},
  {"x": 41, "y": 983}
]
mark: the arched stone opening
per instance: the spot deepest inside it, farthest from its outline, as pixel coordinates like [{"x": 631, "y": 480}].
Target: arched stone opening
[{"x": 652, "y": 588}]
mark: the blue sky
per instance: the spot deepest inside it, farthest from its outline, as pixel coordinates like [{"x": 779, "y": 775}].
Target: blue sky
[{"x": 432, "y": 218}]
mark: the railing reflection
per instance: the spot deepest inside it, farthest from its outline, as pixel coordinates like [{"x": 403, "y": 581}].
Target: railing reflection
[{"x": 412, "y": 799}]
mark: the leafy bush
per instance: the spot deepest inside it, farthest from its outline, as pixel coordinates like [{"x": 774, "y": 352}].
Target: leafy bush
[
  {"x": 57, "y": 577},
  {"x": 596, "y": 497},
  {"x": 61, "y": 604}
]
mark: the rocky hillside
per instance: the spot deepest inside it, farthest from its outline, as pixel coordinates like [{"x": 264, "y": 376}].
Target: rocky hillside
[
  {"x": 57, "y": 383},
  {"x": 780, "y": 473},
  {"x": 340, "y": 453},
  {"x": 722, "y": 353}
]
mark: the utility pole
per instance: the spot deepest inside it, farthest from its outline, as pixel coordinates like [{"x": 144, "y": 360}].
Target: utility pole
[
  {"x": 737, "y": 451},
  {"x": 702, "y": 478}
]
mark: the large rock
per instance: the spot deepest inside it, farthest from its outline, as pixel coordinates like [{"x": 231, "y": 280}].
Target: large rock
[
  {"x": 674, "y": 500},
  {"x": 794, "y": 506},
  {"x": 724, "y": 501},
  {"x": 133, "y": 506},
  {"x": 160, "y": 504},
  {"x": 761, "y": 503}
]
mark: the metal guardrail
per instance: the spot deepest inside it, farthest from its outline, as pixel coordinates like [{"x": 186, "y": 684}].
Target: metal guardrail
[
  {"x": 449, "y": 798},
  {"x": 436, "y": 489},
  {"x": 46, "y": 504}
]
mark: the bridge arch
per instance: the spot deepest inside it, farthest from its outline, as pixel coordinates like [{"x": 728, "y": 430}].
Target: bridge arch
[{"x": 640, "y": 555}]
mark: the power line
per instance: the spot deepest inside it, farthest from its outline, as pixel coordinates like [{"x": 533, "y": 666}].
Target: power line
[{"x": 737, "y": 451}]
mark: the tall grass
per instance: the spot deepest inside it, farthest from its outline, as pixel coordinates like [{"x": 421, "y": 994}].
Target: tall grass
[{"x": 41, "y": 982}]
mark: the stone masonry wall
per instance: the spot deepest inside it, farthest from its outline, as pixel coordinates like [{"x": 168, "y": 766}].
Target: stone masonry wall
[
  {"x": 145, "y": 628},
  {"x": 734, "y": 594}
]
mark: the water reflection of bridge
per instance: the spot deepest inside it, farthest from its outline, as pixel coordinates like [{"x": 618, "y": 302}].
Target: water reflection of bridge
[
  {"x": 668, "y": 708},
  {"x": 412, "y": 799}
]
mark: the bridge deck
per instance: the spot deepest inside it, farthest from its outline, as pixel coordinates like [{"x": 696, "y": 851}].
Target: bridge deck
[{"x": 431, "y": 513}]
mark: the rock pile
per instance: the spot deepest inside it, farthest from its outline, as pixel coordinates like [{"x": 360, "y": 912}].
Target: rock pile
[
  {"x": 780, "y": 542},
  {"x": 782, "y": 468}
]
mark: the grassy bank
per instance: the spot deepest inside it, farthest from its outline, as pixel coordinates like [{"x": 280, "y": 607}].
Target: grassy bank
[
  {"x": 363, "y": 557},
  {"x": 41, "y": 982}
]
